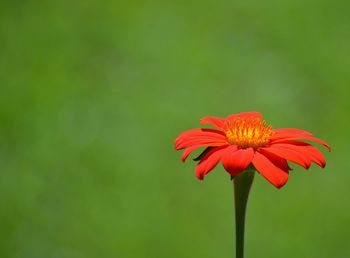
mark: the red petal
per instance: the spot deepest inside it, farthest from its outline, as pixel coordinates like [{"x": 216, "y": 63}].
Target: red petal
[
  {"x": 288, "y": 154},
  {"x": 276, "y": 160},
  {"x": 315, "y": 155},
  {"x": 203, "y": 137},
  {"x": 294, "y": 134},
  {"x": 188, "y": 151},
  {"x": 245, "y": 115},
  {"x": 217, "y": 122},
  {"x": 209, "y": 161},
  {"x": 267, "y": 169},
  {"x": 318, "y": 141},
  {"x": 199, "y": 131},
  {"x": 236, "y": 160},
  {"x": 288, "y": 132},
  {"x": 307, "y": 150}
]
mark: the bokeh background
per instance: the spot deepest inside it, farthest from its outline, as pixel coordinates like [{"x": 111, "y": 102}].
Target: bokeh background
[{"x": 93, "y": 93}]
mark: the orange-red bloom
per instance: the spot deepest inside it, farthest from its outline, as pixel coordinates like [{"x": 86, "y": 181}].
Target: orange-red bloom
[{"x": 243, "y": 139}]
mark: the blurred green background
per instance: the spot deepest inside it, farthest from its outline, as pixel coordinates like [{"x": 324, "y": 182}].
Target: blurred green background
[{"x": 93, "y": 94}]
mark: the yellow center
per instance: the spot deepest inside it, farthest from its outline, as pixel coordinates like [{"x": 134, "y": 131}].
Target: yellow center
[{"x": 248, "y": 132}]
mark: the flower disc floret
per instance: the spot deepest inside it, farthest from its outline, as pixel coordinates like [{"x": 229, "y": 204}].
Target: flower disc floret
[{"x": 248, "y": 132}]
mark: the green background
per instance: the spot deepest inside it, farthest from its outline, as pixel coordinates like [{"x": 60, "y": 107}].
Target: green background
[{"x": 93, "y": 93}]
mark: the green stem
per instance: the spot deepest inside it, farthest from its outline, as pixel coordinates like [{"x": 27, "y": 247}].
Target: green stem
[{"x": 242, "y": 184}]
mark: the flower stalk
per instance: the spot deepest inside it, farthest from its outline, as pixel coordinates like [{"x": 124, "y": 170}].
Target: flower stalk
[{"x": 242, "y": 184}]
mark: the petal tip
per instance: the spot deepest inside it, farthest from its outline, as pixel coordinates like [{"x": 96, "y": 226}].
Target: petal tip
[
  {"x": 280, "y": 184},
  {"x": 278, "y": 187},
  {"x": 200, "y": 177}
]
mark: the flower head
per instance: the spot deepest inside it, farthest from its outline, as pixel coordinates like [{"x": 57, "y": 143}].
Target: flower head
[{"x": 244, "y": 139}]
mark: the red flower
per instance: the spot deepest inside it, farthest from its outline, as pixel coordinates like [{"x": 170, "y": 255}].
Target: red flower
[{"x": 243, "y": 139}]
